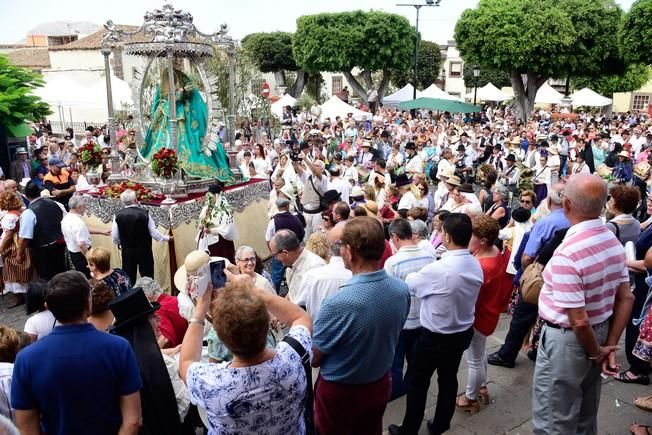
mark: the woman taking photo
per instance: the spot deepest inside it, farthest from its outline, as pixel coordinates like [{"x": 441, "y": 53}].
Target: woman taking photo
[{"x": 261, "y": 389}]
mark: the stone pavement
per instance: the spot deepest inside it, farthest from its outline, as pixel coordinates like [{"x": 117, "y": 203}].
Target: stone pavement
[
  {"x": 510, "y": 389},
  {"x": 510, "y": 410}
]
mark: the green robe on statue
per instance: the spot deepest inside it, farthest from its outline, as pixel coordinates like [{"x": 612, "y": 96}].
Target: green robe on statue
[{"x": 196, "y": 158}]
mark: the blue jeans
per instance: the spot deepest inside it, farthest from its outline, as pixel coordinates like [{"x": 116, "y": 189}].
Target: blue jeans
[
  {"x": 404, "y": 351},
  {"x": 278, "y": 270}
]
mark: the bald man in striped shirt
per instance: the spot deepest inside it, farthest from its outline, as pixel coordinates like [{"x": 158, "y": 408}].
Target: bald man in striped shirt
[{"x": 585, "y": 303}]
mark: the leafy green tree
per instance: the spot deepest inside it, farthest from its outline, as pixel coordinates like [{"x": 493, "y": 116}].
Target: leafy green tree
[
  {"x": 370, "y": 41},
  {"x": 272, "y": 52},
  {"x": 497, "y": 77},
  {"x": 635, "y": 76},
  {"x": 534, "y": 40},
  {"x": 17, "y": 103},
  {"x": 636, "y": 33},
  {"x": 429, "y": 55}
]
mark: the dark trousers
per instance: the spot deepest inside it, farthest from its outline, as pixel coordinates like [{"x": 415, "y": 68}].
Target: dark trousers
[
  {"x": 138, "y": 260},
  {"x": 278, "y": 270},
  {"x": 441, "y": 352},
  {"x": 404, "y": 351},
  {"x": 351, "y": 409},
  {"x": 81, "y": 265},
  {"x": 523, "y": 319},
  {"x": 562, "y": 167},
  {"x": 49, "y": 260},
  {"x": 636, "y": 365}
]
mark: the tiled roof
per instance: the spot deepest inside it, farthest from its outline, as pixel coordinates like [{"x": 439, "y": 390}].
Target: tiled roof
[
  {"x": 30, "y": 57},
  {"x": 94, "y": 40}
]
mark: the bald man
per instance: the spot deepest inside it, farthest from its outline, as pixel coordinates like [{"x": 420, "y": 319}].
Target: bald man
[{"x": 585, "y": 303}]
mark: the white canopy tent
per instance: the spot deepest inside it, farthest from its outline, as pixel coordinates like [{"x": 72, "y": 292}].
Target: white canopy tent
[
  {"x": 336, "y": 107},
  {"x": 122, "y": 94},
  {"x": 433, "y": 91},
  {"x": 587, "y": 97},
  {"x": 285, "y": 100},
  {"x": 406, "y": 93},
  {"x": 489, "y": 93},
  {"x": 548, "y": 95}
]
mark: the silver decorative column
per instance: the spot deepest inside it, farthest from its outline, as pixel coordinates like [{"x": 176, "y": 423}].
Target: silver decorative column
[
  {"x": 110, "y": 126},
  {"x": 231, "y": 124},
  {"x": 172, "y": 99}
]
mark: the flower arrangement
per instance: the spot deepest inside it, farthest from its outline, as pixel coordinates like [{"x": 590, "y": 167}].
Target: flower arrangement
[
  {"x": 165, "y": 163},
  {"x": 90, "y": 154},
  {"x": 142, "y": 193}
]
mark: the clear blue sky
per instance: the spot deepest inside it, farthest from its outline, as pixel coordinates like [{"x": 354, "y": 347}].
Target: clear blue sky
[{"x": 243, "y": 16}]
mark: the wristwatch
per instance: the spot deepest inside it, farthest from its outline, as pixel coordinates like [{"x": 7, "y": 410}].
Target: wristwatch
[{"x": 201, "y": 322}]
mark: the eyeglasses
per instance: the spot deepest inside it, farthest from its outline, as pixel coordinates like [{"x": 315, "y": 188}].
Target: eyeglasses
[
  {"x": 526, "y": 201},
  {"x": 248, "y": 260},
  {"x": 274, "y": 254}
]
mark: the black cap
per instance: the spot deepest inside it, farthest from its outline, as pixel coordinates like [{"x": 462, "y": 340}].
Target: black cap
[{"x": 511, "y": 158}]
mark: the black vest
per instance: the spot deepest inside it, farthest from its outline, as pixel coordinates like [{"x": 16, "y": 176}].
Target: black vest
[
  {"x": 48, "y": 222},
  {"x": 132, "y": 227},
  {"x": 288, "y": 221}
]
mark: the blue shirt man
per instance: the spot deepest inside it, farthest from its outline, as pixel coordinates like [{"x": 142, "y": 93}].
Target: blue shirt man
[
  {"x": 543, "y": 230},
  {"x": 77, "y": 380}
]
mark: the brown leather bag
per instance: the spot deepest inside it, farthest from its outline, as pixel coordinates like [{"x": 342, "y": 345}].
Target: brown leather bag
[{"x": 532, "y": 282}]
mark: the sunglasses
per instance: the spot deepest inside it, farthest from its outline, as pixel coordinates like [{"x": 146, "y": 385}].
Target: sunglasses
[{"x": 526, "y": 201}]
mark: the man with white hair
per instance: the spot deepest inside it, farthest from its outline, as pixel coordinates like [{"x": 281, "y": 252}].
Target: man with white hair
[
  {"x": 77, "y": 235},
  {"x": 173, "y": 326},
  {"x": 133, "y": 230}
]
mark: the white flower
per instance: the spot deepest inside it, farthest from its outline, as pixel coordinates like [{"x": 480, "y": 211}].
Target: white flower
[
  {"x": 208, "y": 152},
  {"x": 212, "y": 146}
]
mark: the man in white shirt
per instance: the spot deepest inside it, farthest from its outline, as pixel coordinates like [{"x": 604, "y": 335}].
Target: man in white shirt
[
  {"x": 413, "y": 163},
  {"x": 341, "y": 186},
  {"x": 315, "y": 184},
  {"x": 77, "y": 235},
  {"x": 320, "y": 283},
  {"x": 286, "y": 247},
  {"x": 408, "y": 258},
  {"x": 447, "y": 314}
]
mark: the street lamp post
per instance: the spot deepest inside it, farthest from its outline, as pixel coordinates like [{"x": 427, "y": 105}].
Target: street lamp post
[
  {"x": 476, "y": 75},
  {"x": 416, "y": 44}
]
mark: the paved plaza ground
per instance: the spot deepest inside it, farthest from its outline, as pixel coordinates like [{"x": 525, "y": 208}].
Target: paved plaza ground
[{"x": 510, "y": 390}]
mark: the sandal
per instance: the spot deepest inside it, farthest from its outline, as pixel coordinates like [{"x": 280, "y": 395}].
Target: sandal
[
  {"x": 484, "y": 396},
  {"x": 628, "y": 377},
  {"x": 464, "y": 404},
  {"x": 644, "y": 403},
  {"x": 640, "y": 429}
]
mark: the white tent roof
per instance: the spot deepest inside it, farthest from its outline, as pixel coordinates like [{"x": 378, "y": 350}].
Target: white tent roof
[
  {"x": 285, "y": 100},
  {"x": 406, "y": 93},
  {"x": 122, "y": 93},
  {"x": 61, "y": 91},
  {"x": 587, "y": 97},
  {"x": 336, "y": 107},
  {"x": 433, "y": 91},
  {"x": 547, "y": 95},
  {"x": 489, "y": 93}
]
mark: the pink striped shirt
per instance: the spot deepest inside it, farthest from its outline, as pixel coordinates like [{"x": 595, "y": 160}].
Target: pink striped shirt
[{"x": 585, "y": 271}]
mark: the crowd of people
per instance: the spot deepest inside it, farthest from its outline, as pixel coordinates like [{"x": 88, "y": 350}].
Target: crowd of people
[{"x": 396, "y": 243}]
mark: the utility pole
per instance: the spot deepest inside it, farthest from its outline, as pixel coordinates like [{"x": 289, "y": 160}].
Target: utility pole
[{"x": 418, "y": 7}]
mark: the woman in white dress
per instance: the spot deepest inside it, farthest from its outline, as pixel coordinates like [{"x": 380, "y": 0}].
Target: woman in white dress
[{"x": 260, "y": 162}]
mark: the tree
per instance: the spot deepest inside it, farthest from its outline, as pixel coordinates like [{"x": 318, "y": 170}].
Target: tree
[
  {"x": 534, "y": 40},
  {"x": 370, "y": 41},
  {"x": 636, "y": 33},
  {"x": 497, "y": 77},
  {"x": 17, "y": 103},
  {"x": 429, "y": 55},
  {"x": 635, "y": 76},
  {"x": 272, "y": 52}
]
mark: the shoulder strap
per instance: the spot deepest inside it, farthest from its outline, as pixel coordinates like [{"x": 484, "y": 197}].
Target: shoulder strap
[
  {"x": 314, "y": 188},
  {"x": 617, "y": 227},
  {"x": 305, "y": 361}
]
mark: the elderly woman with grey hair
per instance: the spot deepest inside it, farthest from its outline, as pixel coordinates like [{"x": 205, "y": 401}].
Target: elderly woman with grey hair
[
  {"x": 499, "y": 209},
  {"x": 245, "y": 260},
  {"x": 173, "y": 326},
  {"x": 421, "y": 236}
]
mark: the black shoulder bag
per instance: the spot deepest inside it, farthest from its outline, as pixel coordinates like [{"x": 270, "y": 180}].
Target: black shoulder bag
[{"x": 305, "y": 361}]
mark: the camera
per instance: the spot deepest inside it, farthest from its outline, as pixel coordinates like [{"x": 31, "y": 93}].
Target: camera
[{"x": 295, "y": 150}]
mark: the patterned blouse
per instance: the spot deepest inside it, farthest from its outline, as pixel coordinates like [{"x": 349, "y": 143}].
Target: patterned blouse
[
  {"x": 118, "y": 281},
  {"x": 265, "y": 399}
]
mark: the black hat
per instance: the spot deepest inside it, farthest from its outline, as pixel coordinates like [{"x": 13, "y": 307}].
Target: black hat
[
  {"x": 130, "y": 306},
  {"x": 337, "y": 156},
  {"x": 521, "y": 215},
  {"x": 402, "y": 180},
  {"x": 410, "y": 146},
  {"x": 466, "y": 188},
  {"x": 464, "y": 135},
  {"x": 554, "y": 138},
  {"x": 331, "y": 196},
  {"x": 461, "y": 148},
  {"x": 510, "y": 158}
]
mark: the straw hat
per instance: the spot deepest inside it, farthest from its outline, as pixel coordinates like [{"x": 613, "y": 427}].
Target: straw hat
[
  {"x": 191, "y": 264},
  {"x": 624, "y": 154},
  {"x": 372, "y": 207},
  {"x": 356, "y": 192},
  {"x": 446, "y": 173},
  {"x": 515, "y": 141},
  {"x": 454, "y": 180},
  {"x": 454, "y": 140}
]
